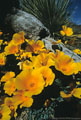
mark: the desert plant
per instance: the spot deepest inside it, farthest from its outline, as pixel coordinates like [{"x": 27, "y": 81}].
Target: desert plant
[{"x": 52, "y": 13}]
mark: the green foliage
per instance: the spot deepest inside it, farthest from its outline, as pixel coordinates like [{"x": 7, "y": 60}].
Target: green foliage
[
  {"x": 40, "y": 114},
  {"x": 52, "y": 13}
]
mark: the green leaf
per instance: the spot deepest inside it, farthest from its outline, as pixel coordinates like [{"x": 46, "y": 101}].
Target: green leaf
[
  {"x": 67, "y": 87},
  {"x": 52, "y": 13},
  {"x": 78, "y": 78},
  {"x": 60, "y": 99},
  {"x": 58, "y": 82}
]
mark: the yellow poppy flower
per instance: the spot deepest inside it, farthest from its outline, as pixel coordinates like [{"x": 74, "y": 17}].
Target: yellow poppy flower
[
  {"x": 1, "y": 42},
  {"x": 30, "y": 81},
  {"x": 20, "y": 99},
  {"x": 28, "y": 101},
  {"x": 9, "y": 86},
  {"x": 5, "y": 43},
  {"x": 7, "y": 76},
  {"x": 69, "y": 31},
  {"x": 58, "y": 41},
  {"x": 66, "y": 42},
  {"x": 64, "y": 95},
  {"x": 78, "y": 83},
  {"x": 62, "y": 32},
  {"x": 25, "y": 65},
  {"x": 47, "y": 103},
  {"x": 18, "y": 38},
  {"x": 78, "y": 64},
  {"x": 1, "y": 33},
  {"x": 9, "y": 102},
  {"x": 42, "y": 59},
  {"x": 4, "y": 112},
  {"x": 77, "y": 51},
  {"x": 76, "y": 92},
  {"x": 11, "y": 49},
  {"x": 48, "y": 75},
  {"x": 2, "y": 59},
  {"x": 66, "y": 31},
  {"x": 26, "y": 55},
  {"x": 35, "y": 46},
  {"x": 43, "y": 51},
  {"x": 65, "y": 63}
]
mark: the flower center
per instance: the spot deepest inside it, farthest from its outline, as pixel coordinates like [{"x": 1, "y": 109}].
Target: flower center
[{"x": 32, "y": 85}]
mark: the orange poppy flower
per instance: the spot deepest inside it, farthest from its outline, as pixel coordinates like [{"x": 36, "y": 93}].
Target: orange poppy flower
[
  {"x": 48, "y": 75},
  {"x": 42, "y": 59},
  {"x": 11, "y": 48},
  {"x": 26, "y": 55},
  {"x": 31, "y": 81},
  {"x": 47, "y": 103},
  {"x": 1, "y": 33},
  {"x": 66, "y": 31},
  {"x": 77, "y": 51},
  {"x": 78, "y": 64},
  {"x": 20, "y": 99},
  {"x": 35, "y": 46},
  {"x": 4, "y": 112},
  {"x": 64, "y": 95},
  {"x": 2, "y": 59},
  {"x": 65, "y": 63},
  {"x": 9, "y": 102},
  {"x": 76, "y": 92},
  {"x": 9, "y": 86},
  {"x": 7, "y": 76},
  {"x": 18, "y": 38},
  {"x": 25, "y": 65},
  {"x": 1, "y": 42}
]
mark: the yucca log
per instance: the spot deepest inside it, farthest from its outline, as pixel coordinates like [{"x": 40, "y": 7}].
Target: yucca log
[{"x": 49, "y": 45}]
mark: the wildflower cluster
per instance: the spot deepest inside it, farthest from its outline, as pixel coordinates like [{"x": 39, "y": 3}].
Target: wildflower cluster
[
  {"x": 35, "y": 74},
  {"x": 66, "y": 35},
  {"x": 66, "y": 31},
  {"x": 77, "y": 51}
]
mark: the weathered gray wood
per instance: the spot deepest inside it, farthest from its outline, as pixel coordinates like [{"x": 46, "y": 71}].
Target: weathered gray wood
[{"x": 48, "y": 44}]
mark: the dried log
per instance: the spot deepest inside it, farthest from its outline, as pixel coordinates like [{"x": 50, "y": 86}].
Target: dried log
[{"x": 49, "y": 43}]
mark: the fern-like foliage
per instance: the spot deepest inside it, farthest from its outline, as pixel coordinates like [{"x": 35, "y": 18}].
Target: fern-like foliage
[{"x": 52, "y": 13}]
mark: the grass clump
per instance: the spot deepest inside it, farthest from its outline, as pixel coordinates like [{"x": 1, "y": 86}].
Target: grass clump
[{"x": 52, "y": 13}]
